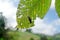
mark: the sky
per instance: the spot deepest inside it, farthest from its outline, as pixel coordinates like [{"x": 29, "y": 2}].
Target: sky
[{"x": 50, "y": 25}]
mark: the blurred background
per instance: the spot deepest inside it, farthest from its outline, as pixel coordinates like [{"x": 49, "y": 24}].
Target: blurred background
[{"x": 43, "y": 29}]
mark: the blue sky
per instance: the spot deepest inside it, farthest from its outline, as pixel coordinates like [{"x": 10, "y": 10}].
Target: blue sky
[{"x": 49, "y": 25}]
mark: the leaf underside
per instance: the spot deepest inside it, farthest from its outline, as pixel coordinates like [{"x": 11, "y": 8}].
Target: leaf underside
[
  {"x": 31, "y": 9},
  {"x": 57, "y": 6}
]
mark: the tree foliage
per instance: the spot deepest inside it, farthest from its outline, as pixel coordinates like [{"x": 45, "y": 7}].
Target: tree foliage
[
  {"x": 2, "y": 24},
  {"x": 28, "y": 10},
  {"x": 57, "y": 6}
]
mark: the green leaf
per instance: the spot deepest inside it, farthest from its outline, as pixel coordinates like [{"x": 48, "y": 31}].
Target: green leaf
[
  {"x": 43, "y": 8},
  {"x": 23, "y": 22},
  {"x": 57, "y": 6},
  {"x": 30, "y": 9}
]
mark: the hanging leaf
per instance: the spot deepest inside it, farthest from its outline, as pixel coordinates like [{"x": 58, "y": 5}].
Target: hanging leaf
[
  {"x": 24, "y": 22},
  {"x": 57, "y": 6},
  {"x": 28, "y": 10},
  {"x": 43, "y": 8}
]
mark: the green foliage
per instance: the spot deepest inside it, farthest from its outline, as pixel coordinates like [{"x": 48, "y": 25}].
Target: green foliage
[
  {"x": 57, "y": 6},
  {"x": 16, "y": 35},
  {"x": 2, "y": 25},
  {"x": 31, "y": 39},
  {"x": 28, "y": 30},
  {"x": 3, "y": 31},
  {"x": 56, "y": 37},
  {"x": 1, "y": 38},
  {"x": 28, "y": 10},
  {"x": 44, "y": 37}
]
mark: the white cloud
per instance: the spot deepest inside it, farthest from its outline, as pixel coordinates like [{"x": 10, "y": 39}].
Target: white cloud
[
  {"x": 41, "y": 27},
  {"x": 44, "y": 28},
  {"x": 57, "y": 22}
]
